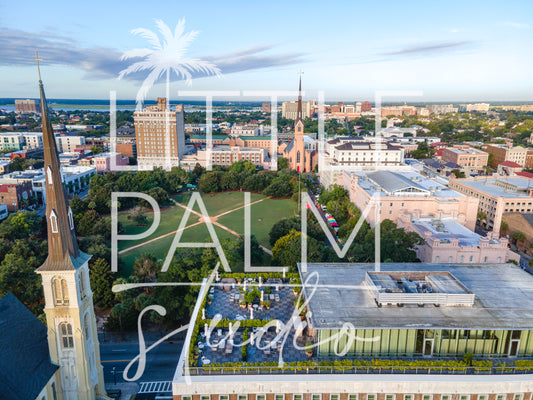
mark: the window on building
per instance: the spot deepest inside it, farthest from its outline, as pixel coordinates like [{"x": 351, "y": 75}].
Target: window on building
[
  {"x": 334, "y": 397},
  {"x": 371, "y": 397},
  {"x": 54, "y": 391},
  {"x": 60, "y": 291},
  {"x": 53, "y": 222},
  {"x": 67, "y": 339},
  {"x": 316, "y": 397},
  {"x": 500, "y": 397},
  {"x": 208, "y": 398},
  {"x": 352, "y": 397},
  {"x": 518, "y": 396},
  {"x": 465, "y": 397},
  {"x": 298, "y": 397},
  {"x": 471, "y": 258},
  {"x": 408, "y": 397},
  {"x": 427, "y": 397},
  {"x": 279, "y": 397},
  {"x": 224, "y": 397},
  {"x": 390, "y": 397},
  {"x": 261, "y": 397},
  {"x": 482, "y": 397},
  {"x": 186, "y": 397},
  {"x": 445, "y": 397},
  {"x": 437, "y": 259}
]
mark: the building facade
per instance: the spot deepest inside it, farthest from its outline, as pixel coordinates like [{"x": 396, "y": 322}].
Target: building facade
[
  {"x": 470, "y": 158},
  {"x": 26, "y": 106},
  {"x": 160, "y": 135},
  {"x": 408, "y": 193},
  {"x": 497, "y": 195},
  {"x": 364, "y": 325}
]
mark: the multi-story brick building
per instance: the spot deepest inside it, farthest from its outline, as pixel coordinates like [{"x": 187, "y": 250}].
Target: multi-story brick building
[
  {"x": 160, "y": 135},
  {"x": 497, "y": 195},
  {"x": 447, "y": 241},
  {"x": 13, "y": 192},
  {"x": 27, "y": 106},
  {"x": 501, "y": 153},
  {"x": 468, "y": 158},
  {"x": 408, "y": 193},
  {"x": 366, "y": 107},
  {"x": 227, "y": 155}
]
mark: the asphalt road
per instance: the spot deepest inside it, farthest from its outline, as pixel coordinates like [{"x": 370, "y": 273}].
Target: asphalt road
[{"x": 161, "y": 361}]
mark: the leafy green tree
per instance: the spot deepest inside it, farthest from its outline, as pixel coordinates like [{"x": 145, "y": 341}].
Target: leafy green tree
[
  {"x": 287, "y": 251},
  {"x": 146, "y": 268},
  {"x": 458, "y": 173},
  {"x": 518, "y": 236},
  {"x": 283, "y": 163},
  {"x": 96, "y": 150},
  {"x": 17, "y": 271},
  {"x": 243, "y": 166},
  {"x": 19, "y": 225},
  {"x": 210, "y": 182},
  {"x": 335, "y": 193},
  {"x": 504, "y": 228},
  {"x": 256, "y": 252},
  {"x": 257, "y": 182},
  {"x": 278, "y": 189},
  {"x": 77, "y": 205},
  {"x": 283, "y": 227},
  {"x": 158, "y": 194},
  {"x": 101, "y": 283}
]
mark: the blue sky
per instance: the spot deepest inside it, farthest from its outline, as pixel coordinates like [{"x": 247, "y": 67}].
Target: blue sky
[{"x": 463, "y": 51}]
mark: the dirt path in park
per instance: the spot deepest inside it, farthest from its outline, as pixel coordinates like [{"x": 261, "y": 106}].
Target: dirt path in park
[{"x": 213, "y": 220}]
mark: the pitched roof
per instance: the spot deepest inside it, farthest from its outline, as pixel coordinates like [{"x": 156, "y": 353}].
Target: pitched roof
[
  {"x": 393, "y": 182},
  {"x": 25, "y": 367},
  {"x": 510, "y": 164}
]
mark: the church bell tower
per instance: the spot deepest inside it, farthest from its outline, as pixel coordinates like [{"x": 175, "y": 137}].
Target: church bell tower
[{"x": 72, "y": 335}]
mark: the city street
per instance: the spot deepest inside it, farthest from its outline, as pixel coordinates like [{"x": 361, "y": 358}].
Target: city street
[{"x": 161, "y": 361}]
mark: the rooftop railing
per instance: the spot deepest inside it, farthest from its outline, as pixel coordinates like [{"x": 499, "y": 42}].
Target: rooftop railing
[{"x": 406, "y": 370}]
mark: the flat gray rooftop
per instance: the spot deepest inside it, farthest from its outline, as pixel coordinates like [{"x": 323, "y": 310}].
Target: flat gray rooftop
[
  {"x": 503, "y": 298},
  {"x": 489, "y": 186}
]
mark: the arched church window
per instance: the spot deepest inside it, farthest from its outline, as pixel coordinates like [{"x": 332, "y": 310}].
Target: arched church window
[
  {"x": 60, "y": 291},
  {"x": 49, "y": 175},
  {"x": 298, "y": 157},
  {"x": 67, "y": 339},
  {"x": 53, "y": 222}
]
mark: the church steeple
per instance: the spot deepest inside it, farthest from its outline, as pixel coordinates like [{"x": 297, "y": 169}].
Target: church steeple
[
  {"x": 299, "y": 112},
  {"x": 69, "y": 308},
  {"x": 63, "y": 252}
]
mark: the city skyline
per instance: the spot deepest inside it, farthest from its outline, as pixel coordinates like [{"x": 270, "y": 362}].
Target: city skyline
[{"x": 457, "y": 53}]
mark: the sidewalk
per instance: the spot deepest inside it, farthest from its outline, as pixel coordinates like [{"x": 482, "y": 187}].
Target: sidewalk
[{"x": 128, "y": 389}]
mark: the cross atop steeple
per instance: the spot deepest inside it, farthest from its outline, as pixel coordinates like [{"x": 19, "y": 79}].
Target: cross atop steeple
[
  {"x": 38, "y": 69},
  {"x": 63, "y": 252}
]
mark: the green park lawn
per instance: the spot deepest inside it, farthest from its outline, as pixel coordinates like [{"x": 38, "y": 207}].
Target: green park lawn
[
  {"x": 263, "y": 216},
  {"x": 218, "y": 203},
  {"x": 170, "y": 220},
  {"x": 159, "y": 248}
]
